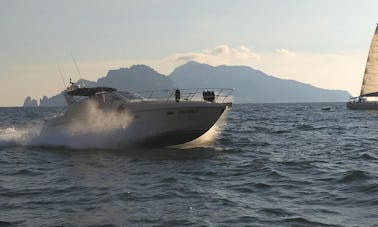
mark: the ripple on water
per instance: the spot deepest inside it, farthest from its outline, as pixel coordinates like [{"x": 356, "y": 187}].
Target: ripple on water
[
  {"x": 301, "y": 221},
  {"x": 354, "y": 175},
  {"x": 25, "y": 172},
  {"x": 10, "y": 224},
  {"x": 305, "y": 127},
  {"x": 244, "y": 187},
  {"x": 370, "y": 189},
  {"x": 367, "y": 156},
  {"x": 276, "y": 212},
  {"x": 240, "y": 220}
]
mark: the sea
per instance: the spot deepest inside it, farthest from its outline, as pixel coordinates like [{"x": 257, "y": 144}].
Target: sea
[{"x": 308, "y": 164}]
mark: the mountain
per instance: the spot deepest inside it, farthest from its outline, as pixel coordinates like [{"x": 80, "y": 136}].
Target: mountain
[
  {"x": 136, "y": 78},
  {"x": 56, "y": 100},
  {"x": 251, "y": 86}
]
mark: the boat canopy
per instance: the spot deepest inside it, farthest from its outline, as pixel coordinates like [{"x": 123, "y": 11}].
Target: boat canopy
[{"x": 90, "y": 91}]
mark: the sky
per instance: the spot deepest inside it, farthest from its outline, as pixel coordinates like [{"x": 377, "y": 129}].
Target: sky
[{"x": 320, "y": 42}]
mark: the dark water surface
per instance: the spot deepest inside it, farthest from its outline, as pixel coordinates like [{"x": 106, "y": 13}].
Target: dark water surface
[{"x": 273, "y": 165}]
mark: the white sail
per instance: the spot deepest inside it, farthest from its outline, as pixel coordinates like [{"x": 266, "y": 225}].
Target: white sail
[{"x": 370, "y": 81}]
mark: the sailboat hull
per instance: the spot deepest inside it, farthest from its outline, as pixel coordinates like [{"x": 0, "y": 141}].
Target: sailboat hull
[
  {"x": 368, "y": 98},
  {"x": 362, "y": 105}
]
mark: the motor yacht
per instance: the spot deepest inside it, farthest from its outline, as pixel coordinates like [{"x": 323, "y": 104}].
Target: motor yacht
[{"x": 150, "y": 118}]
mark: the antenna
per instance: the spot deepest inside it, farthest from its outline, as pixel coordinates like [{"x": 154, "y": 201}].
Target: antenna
[
  {"x": 77, "y": 69},
  {"x": 61, "y": 76}
]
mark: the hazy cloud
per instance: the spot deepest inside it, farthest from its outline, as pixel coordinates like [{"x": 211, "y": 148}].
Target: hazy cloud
[
  {"x": 285, "y": 53},
  {"x": 221, "y": 54}
]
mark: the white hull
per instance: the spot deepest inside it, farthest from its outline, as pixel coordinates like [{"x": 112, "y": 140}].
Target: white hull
[
  {"x": 158, "y": 123},
  {"x": 175, "y": 123}
]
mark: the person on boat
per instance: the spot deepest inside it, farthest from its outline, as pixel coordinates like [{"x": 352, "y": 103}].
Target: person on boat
[
  {"x": 177, "y": 95},
  {"x": 212, "y": 96}
]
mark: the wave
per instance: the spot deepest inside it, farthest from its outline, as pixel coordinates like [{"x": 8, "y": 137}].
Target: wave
[
  {"x": 24, "y": 172},
  {"x": 9, "y": 224},
  {"x": 369, "y": 189},
  {"x": 367, "y": 156},
  {"x": 354, "y": 175},
  {"x": 301, "y": 221}
]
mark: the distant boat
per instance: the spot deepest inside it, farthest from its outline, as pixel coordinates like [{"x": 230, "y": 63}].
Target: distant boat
[{"x": 368, "y": 99}]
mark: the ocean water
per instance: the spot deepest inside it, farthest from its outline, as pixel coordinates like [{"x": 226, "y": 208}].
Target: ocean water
[{"x": 271, "y": 165}]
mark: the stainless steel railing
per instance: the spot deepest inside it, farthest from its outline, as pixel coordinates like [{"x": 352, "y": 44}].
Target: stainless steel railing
[{"x": 220, "y": 95}]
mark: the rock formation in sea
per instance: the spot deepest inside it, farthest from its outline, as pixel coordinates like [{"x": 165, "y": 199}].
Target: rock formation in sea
[{"x": 29, "y": 102}]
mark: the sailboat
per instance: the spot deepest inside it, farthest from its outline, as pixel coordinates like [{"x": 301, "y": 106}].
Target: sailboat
[{"x": 368, "y": 98}]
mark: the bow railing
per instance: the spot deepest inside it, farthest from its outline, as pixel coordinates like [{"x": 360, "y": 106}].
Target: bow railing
[{"x": 219, "y": 95}]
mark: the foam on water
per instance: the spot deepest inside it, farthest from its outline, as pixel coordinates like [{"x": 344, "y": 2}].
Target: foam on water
[
  {"x": 93, "y": 128},
  {"x": 18, "y": 136},
  {"x": 207, "y": 139}
]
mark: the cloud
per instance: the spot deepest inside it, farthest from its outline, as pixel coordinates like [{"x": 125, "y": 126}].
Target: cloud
[
  {"x": 190, "y": 57},
  {"x": 221, "y": 54},
  {"x": 285, "y": 53}
]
